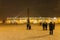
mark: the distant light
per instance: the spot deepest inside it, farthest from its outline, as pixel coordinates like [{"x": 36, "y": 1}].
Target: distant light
[
  {"x": 15, "y": 17},
  {"x": 55, "y": 18},
  {"x": 41, "y": 20},
  {"x": 39, "y": 17},
  {"x": 13, "y": 21},
  {"x": 35, "y": 21}
]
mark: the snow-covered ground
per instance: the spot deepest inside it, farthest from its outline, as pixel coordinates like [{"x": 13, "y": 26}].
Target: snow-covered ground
[{"x": 19, "y": 32}]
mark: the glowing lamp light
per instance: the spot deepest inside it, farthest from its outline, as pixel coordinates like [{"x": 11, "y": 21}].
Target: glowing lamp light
[
  {"x": 54, "y": 18},
  {"x": 35, "y": 22}
]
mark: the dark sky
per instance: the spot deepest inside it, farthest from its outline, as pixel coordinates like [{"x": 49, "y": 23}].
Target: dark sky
[{"x": 14, "y": 8}]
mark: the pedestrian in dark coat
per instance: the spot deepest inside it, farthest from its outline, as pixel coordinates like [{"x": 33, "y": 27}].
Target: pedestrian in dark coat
[
  {"x": 44, "y": 26},
  {"x": 51, "y": 28},
  {"x": 28, "y": 25}
]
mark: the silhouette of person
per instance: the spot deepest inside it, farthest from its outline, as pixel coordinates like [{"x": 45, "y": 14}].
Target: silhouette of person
[
  {"x": 44, "y": 26},
  {"x": 51, "y": 28},
  {"x": 28, "y": 25}
]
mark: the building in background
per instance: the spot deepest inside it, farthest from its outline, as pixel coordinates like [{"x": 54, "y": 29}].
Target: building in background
[{"x": 33, "y": 20}]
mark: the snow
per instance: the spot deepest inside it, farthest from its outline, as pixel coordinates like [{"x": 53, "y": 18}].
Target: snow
[{"x": 19, "y": 32}]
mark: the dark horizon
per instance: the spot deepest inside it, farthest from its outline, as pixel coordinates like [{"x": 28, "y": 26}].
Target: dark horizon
[{"x": 43, "y": 8}]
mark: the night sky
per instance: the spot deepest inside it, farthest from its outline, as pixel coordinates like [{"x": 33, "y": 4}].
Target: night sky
[{"x": 13, "y": 8}]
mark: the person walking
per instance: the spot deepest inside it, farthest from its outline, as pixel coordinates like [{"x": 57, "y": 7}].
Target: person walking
[
  {"x": 51, "y": 28},
  {"x": 28, "y": 25},
  {"x": 44, "y": 25}
]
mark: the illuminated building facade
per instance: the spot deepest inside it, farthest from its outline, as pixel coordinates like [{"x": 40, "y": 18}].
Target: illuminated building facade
[{"x": 34, "y": 20}]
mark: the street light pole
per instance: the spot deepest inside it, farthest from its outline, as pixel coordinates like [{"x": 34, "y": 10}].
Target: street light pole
[{"x": 28, "y": 13}]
